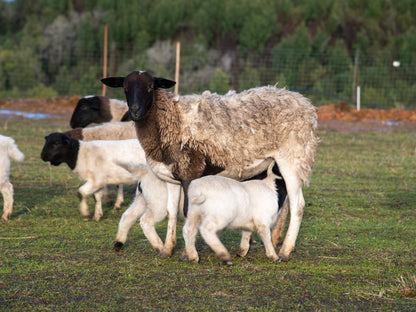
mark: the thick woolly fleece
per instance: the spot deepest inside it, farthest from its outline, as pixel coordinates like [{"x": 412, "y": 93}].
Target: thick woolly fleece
[
  {"x": 117, "y": 130},
  {"x": 233, "y": 130}
]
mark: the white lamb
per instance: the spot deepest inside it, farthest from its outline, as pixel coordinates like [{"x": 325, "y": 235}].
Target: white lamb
[
  {"x": 8, "y": 149},
  {"x": 216, "y": 203},
  {"x": 150, "y": 205},
  {"x": 96, "y": 162}
]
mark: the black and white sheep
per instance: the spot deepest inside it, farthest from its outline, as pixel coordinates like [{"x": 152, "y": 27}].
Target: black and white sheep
[
  {"x": 8, "y": 150},
  {"x": 98, "y": 109},
  {"x": 95, "y": 162},
  {"x": 216, "y": 203},
  {"x": 151, "y": 204},
  {"x": 234, "y": 135},
  {"x": 116, "y": 130}
]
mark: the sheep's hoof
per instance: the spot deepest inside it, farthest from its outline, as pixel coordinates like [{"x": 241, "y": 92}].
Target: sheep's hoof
[
  {"x": 86, "y": 218},
  {"x": 118, "y": 246},
  {"x": 283, "y": 258},
  {"x": 242, "y": 253},
  {"x": 274, "y": 258},
  {"x": 164, "y": 255},
  {"x": 227, "y": 262},
  {"x": 185, "y": 258}
]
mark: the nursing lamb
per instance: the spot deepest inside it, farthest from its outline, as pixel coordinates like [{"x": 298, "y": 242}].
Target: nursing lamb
[{"x": 216, "y": 203}]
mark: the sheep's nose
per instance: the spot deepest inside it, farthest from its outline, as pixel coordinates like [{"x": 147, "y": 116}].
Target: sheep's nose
[{"x": 135, "y": 112}]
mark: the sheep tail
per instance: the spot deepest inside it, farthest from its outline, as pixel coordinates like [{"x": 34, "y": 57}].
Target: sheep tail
[
  {"x": 199, "y": 199},
  {"x": 15, "y": 153}
]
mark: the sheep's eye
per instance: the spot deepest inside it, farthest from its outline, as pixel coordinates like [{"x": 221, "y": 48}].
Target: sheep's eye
[{"x": 150, "y": 88}]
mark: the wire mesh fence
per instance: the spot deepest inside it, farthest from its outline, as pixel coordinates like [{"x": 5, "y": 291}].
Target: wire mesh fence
[{"x": 325, "y": 76}]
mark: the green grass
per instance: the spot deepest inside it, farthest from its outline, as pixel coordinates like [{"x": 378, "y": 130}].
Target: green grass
[{"x": 356, "y": 249}]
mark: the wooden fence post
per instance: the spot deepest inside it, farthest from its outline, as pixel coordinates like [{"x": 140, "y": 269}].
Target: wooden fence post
[
  {"x": 105, "y": 57},
  {"x": 178, "y": 54}
]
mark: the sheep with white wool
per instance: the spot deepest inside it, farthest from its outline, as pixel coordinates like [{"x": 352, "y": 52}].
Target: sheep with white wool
[
  {"x": 152, "y": 202},
  {"x": 97, "y": 109},
  {"x": 234, "y": 135},
  {"x": 95, "y": 162},
  {"x": 216, "y": 203},
  {"x": 150, "y": 205},
  {"x": 8, "y": 150},
  {"x": 116, "y": 130}
]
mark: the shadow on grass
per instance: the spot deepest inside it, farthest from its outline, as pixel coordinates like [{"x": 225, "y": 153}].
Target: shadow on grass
[{"x": 61, "y": 201}]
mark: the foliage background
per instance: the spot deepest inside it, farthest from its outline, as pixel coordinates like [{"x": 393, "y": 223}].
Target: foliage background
[{"x": 55, "y": 47}]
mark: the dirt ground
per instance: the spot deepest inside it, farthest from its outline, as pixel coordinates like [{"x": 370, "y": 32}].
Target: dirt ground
[{"x": 338, "y": 117}]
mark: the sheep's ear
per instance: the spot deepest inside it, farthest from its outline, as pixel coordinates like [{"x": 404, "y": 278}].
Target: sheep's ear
[
  {"x": 163, "y": 83},
  {"x": 66, "y": 139},
  {"x": 114, "y": 82}
]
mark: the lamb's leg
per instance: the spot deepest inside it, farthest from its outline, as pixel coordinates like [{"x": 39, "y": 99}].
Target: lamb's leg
[
  {"x": 120, "y": 197},
  {"x": 98, "y": 213},
  {"x": 172, "y": 209},
  {"x": 209, "y": 231},
  {"x": 129, "y": 217},
  {"x": 264, "y": 232},
  {"x": 106, "y": 194},
  {"x": 296, "y": 205},
  {"x": 277, "y": 233},
  {"x": 83, "y": 192},
  {"x": 6, "y": 189},
  {"x": 148, "y": 223},
  {"x": 190, "y": 230},
  {"x": 244, "y": 244}
]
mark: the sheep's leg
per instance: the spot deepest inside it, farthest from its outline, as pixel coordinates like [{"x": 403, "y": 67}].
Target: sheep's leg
[
  {"x": 296, "y": 205},
  {"x": 106, "y": 194},
  {"x": 190, "y": 230},
  {"x": 129, "y": 217},
  {"x": 209, "y": 231},
  {"x": 83, "y": 193},
  {"x": 185, "y": 185},
  {"x": 120, "y": 197},
  {"x": 277, "y": 233},
  {"x": 7, "y": 192},
  {"x": 244, "y": 244},
  {"x": 148, "y": 222},
  {"x": 172, "y": 209},
  {"x": 264, "y": 232},
  {"x": 98, "y": 213}
]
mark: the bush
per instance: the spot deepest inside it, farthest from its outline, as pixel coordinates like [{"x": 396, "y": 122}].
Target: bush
[{"x": 220, "y": 83}]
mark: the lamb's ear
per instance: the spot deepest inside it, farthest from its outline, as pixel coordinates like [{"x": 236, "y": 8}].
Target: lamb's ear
[
  {"x": 114, "y": 82},
  {"x": 163, "y": 83}
]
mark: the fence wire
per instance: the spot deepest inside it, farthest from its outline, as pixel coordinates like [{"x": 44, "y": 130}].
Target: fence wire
[{"x": 325, "y": 76}]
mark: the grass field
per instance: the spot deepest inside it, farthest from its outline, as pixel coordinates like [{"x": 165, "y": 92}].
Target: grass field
[{"x": 356, "y": 249}]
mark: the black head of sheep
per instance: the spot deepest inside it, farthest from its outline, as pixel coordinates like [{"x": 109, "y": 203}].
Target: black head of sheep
[
  {"x": 60, "y": 148},
  {"x": 139, "y": 88},
  {"x": 86, "y": 112}
]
